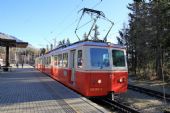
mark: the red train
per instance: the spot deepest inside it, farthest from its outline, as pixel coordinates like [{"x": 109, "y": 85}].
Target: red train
[{"x": 91, "y": 68}]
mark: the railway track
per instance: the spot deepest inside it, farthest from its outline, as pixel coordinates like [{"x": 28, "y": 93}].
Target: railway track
[
  {"x": 116, "y": 105},
  {"x": 150, "y": 92}
]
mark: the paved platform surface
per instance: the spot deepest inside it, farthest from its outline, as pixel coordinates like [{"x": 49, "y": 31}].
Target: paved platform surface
[{"x": 29, "y": 91}]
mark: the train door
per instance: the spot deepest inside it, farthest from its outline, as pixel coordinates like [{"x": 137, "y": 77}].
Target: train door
[{"x": 72, "y": 61}]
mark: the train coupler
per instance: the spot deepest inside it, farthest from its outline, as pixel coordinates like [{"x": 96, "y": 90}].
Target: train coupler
[{"x": 111, "y": 95}]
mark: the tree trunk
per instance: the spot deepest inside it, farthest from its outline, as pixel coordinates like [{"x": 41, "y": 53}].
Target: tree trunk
[{"x": 158, "y": 63}]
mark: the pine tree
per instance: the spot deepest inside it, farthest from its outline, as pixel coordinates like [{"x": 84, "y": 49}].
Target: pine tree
[
  {"x": 68, "y": 42},
  {"x": 148, "y": 36},
  {"x": 85, "y": 36},
  {"x": 96, "y": 33}
]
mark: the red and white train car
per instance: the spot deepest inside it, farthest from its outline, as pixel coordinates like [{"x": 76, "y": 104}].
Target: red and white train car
[{"x": 91, "y": 68}]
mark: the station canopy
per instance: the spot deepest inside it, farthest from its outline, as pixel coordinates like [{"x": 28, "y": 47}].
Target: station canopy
[{"x": 11, "y": 41}]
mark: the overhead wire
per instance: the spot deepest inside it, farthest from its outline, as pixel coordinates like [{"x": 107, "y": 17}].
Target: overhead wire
[
  {"x": 105, "y": 18},
  {"x": 67, "y": 27},
  {"x": 76, "y": 19},
  {"x": 97, "y": 4},
  {"x": 67, "y": 17},
  {"x": 85, "y": 24},
  {"x": 70, "y": 13},
  {"x": 86, "y": 10}
]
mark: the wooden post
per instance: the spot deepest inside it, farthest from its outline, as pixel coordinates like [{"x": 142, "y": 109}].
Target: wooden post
[{"x": 7, "y": 59}]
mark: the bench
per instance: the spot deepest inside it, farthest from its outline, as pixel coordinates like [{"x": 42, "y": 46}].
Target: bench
[{"x": 6, "y": 68}]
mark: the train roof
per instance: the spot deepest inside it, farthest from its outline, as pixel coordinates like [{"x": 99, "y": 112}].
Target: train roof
[{"x": 86, "y": 43}]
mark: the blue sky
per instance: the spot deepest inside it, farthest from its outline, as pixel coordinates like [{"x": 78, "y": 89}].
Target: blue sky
[{"x": 40, "y": 21}]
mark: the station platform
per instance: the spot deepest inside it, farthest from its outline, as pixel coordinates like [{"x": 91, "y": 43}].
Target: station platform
[{"x": 26, "y": 90}]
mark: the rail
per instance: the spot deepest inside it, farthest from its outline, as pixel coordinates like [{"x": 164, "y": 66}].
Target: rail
[
  {"x": 150, "y": 92},
  {"x": 118, "y": 106}
]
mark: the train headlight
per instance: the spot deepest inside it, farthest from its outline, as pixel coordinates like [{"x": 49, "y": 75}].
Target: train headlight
[
  {"x": 121, "y": 80},
  {"x": 99, "y": 81}
]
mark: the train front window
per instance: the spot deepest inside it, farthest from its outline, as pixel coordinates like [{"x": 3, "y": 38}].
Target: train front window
[
  {"x": 79, "y": 59},
  {"x": 118, "y": 58},
  {"x": 99, "y": 57}
]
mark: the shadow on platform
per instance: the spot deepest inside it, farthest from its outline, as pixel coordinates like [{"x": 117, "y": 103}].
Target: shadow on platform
[{"x": 28, "y": 85}]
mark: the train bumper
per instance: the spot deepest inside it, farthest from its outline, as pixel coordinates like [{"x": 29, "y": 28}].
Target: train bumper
[{"x": 118, "y": 82}]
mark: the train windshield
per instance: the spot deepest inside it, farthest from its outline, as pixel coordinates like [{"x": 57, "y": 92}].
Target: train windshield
[
  {"x": 99, "y": 57},
  {"x": 118, "y": 58}
]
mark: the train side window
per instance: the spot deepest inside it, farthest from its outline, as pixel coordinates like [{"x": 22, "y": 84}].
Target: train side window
[
  {"x": 49, "y": 60},
  {"x": 65, "y": 60},
  {"x": 45, "y": 61},
  {"x": 42, "y": 60},
  {"x": 79, "y": 59},
  {"x": 56, "y": 60},
  {"x": 60, "y": 60}
]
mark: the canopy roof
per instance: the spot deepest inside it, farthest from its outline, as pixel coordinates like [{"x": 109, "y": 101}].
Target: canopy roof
[{"x": 11, "y": 41}]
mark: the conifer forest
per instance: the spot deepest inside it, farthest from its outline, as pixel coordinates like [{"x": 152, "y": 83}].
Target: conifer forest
[{"x": 147, "y": 39}]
